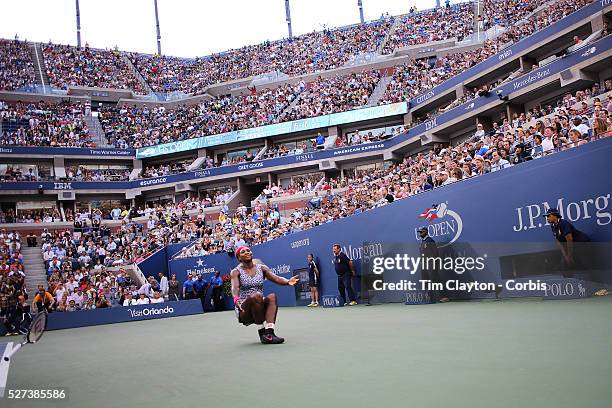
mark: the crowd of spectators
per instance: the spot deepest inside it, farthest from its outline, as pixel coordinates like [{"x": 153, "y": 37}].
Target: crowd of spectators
[
  {"x": 414, "y": 78},
  {"x": 334, "y": 94},
  {"x": 82, "y": 173},
  {"x": 71, "y": 66},
  {"x": 144, "y": 126},
  {"x": 15, "y": 174},
  {"x": 16, "y": 66},
  {"x": 44, "y": 124},
  {"x": 419, "y": 27},
  {"x": 163, "y": 170},
  {"x": 30, "y": 216},
  {"x": 14, "y": 307},
  {"x": 307, "y": 53}
]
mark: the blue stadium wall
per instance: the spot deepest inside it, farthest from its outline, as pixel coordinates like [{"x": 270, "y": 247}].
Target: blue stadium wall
[{"x": 499, "y": 214}]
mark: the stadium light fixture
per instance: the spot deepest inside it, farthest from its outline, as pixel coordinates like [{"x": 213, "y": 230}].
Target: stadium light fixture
[
  {"x": 288, "y": 18},
  {"x": 78, "y": 23},
  {"x": 157, "y": 27},
  {"x": 360, "y": 5}
]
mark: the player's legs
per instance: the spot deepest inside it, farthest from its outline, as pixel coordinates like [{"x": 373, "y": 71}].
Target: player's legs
[
  {"x": 271, "y": 308},
  {"x": 253, "y": 309},
  {"x": 312, "y": 296},
  {"x": 269, "y": 336}
]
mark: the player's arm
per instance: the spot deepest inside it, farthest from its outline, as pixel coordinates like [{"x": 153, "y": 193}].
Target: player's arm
[
  {"x": 279, "y": 280},
  {"x": 234, "y": 274}
]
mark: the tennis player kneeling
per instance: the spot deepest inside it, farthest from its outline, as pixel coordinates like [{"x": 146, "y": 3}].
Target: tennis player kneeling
[{"x": 250, "y": 304}]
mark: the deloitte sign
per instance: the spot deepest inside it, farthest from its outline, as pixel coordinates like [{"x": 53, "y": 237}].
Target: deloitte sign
[{"x": 151, "y": 311}]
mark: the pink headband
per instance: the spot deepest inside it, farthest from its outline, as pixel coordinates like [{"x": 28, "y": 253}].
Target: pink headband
[{"x": 239, "y": 249}]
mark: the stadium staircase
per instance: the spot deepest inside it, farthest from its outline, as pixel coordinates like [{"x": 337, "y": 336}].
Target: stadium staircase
[
  {"x": 96, "y": 132},
  {"x": 40, "y": 70},
  {"x": 137, "y": 73},
  {"x": 294, "y": 102},
  {"x": 392, "y": 29},
  {"x": 379, "y": 91},
  {"x": 34, "y": 266}
]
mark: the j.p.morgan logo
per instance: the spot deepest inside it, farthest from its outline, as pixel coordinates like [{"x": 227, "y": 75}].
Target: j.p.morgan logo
[
  {"x": 151, "y": 311},
  {"x": 442, "y": 223},
  {"x": 530, "y": 216}
]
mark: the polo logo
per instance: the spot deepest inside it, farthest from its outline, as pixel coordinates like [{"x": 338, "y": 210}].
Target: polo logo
[{"x": 331, "y": 301}]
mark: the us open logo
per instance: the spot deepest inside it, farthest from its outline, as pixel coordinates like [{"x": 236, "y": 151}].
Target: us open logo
[{"x": 444, "y": 224}]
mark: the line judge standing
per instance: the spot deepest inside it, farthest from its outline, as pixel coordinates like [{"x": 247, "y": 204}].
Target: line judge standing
[{"x": 345, "y": 271}]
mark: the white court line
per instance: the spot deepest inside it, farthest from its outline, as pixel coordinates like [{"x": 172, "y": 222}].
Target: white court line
[{"x": 4, "y": 368}]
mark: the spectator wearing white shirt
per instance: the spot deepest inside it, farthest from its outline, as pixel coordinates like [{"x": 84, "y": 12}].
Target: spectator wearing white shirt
[
  {"x": 48, "y": 256},
  {"x": 59, "y": 293},
  {"x": 129, "y": 300},
  {"x": 581, "y": 126},
  {"x": 547, "y": 143},
  {"x": 479, "y": 132},
  {"x": 163, "y": 284},
  {"x": 157, "y": 298},
  {"x": 71, "y": 285},
  {"x": 142, "y": 299},
  {"x": 497, "y": 162},
  {"x": 77, "y": 297}
]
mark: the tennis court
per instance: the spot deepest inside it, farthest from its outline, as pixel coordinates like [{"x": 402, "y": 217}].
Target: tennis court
[{"x": 510, "y": 353}]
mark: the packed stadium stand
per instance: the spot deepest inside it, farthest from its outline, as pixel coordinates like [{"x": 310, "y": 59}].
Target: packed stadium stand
[{"x": 124, "y": 154}]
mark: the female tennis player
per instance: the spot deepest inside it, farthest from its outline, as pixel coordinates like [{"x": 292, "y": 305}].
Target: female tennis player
[{"x": 250, "y": 304}]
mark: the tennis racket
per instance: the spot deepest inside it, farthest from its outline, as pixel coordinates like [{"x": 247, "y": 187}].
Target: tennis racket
[{"x": 35, "y": 332}]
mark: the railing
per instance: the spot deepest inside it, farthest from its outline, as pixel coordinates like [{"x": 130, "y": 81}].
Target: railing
[{"x": 42, "y": 89}]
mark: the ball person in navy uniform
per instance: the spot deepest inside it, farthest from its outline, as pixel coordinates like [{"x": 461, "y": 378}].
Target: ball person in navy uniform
[
  {"x": 575, "y": 252},
  {"x": 429, "y": 249},
  {"x": 572, "y": 256},
  {"x": 313, "y": 281}
]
